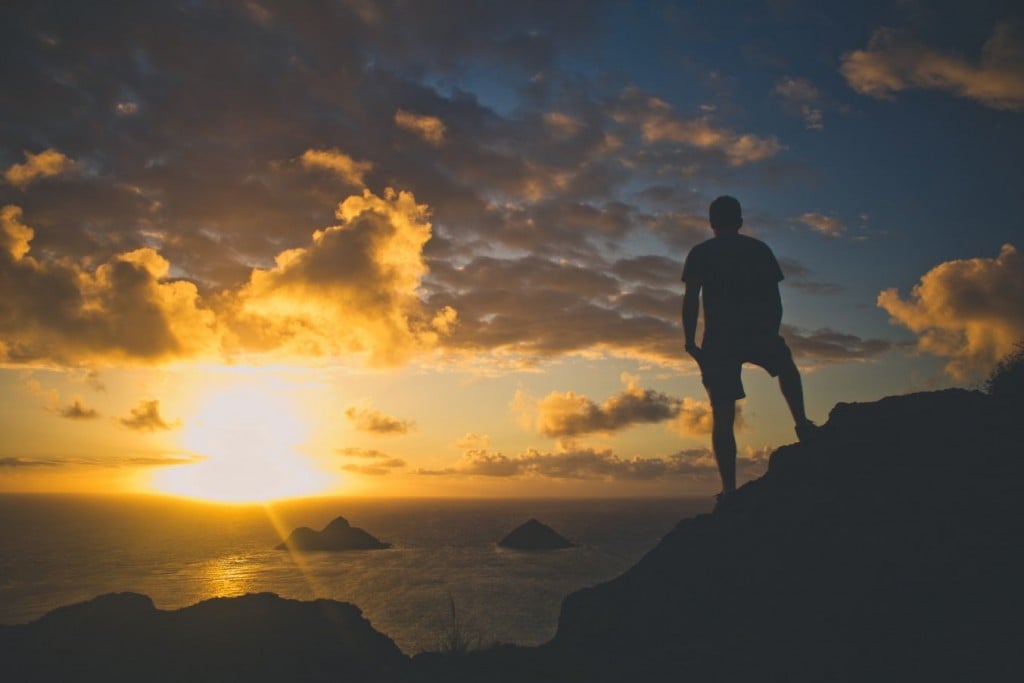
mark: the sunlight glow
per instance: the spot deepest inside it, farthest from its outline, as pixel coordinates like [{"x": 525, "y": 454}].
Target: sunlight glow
[{"x": 250, "y": 435}]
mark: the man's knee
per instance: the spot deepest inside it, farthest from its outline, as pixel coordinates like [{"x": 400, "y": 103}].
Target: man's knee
[{"x": 723, "y": 413}]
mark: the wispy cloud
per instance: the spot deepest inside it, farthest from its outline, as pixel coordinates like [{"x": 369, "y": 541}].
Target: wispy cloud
[
  {"x": 824, "y": 224},
  {"x": 337, "y": 163},
  {"x": 588, "y": 463},
  {"x": 895, "y": 61},
  {"x": 429, "y": 128},
  {"x": 801, "y": 96}
]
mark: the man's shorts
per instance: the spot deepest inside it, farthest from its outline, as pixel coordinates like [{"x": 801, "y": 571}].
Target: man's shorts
[{"x": 720, "y": 363}]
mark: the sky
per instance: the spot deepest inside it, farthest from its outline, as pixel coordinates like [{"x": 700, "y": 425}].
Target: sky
[{"x": 251, "y": 250}]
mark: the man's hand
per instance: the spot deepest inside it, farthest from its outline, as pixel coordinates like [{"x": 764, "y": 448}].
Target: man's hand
[{"x": 693, "y": 350}]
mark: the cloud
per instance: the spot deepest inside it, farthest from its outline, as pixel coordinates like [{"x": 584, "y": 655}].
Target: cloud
[
  {"x": 133, "y": 461},
  {"x": 352, "y": 290},
  {"x": 78, "y": 411},
  {"x": 801, "y": 277},
  {"x": 16, "y": 462},
  {"x": 145, "y": 417},
  {"x": 14, "y": 234},
  {"x": 826, "y": 345},
  {"x": 658, "y": 123},
  {"x": 561, "y": 414},
  {"x": 366, "y": 419},
  {"x": 123, "y": 309},
  {"x": 830, "y": 226},
  {"x": 567, "y": 414},
  {"x": 46, "y": 164},
  {"x": 970, "y": 311},
  {"x": 695, "y": 418},
  {"x": 893, "y": 62},
  {"x": 588, "y": 463},
  {"x": 338, "y": 163},
  {"x": 381, "y": 463},
  {"x": 801, "y": 96},
  {"x": 430, "y": 128}
]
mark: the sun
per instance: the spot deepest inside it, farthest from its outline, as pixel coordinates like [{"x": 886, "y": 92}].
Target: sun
[{"x": 249, "y": 437}]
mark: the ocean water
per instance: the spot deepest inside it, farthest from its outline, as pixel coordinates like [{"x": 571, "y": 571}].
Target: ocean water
[{"x": 57, "y": 550}]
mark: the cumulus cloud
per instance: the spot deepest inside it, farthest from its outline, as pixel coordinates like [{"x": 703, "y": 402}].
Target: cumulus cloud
[
  {"x": 830, "y": 226},
  {"x": 338, "y": 163},
  {"x": 561, "y": 414},
  {"x": 894, "y": 61},
  {"x": 146, "y": 417},
  {"x": 604, "y": 464},
  {"x": 695, "y": 418},
  {"x": 970, "y": 311},
  {"x": 659, "y": 123},
  {"x": 430, "y": 128},
  {"x": 47, "y": 163},
  {"x": 123, "y": 309},
  {"x": 352, "y": 290},
  {"x": 366, "y": 419},
  {"x": 801, "y": 95},
  {"x": 567, "y": 414},
  {"x": 78, "y": 411}
]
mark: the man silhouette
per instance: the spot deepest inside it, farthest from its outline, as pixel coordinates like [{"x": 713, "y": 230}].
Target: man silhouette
[{"x": 739, "y": 278}]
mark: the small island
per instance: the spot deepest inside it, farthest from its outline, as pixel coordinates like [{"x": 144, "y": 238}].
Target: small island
[
  {"x": 336, "y": 536},
  {"x": 534, "y": 535}
]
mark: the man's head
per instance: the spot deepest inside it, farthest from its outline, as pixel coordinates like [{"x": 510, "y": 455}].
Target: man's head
[{"x": 726, "y": 215}]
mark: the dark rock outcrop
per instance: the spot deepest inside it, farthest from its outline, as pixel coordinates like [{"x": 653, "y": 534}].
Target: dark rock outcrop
[
  {"x": 338, "y": 535},
  {"x": 888, "y": 549},
  {"x": 254, "y": 638},
  {"x": 534, "y": 535}
]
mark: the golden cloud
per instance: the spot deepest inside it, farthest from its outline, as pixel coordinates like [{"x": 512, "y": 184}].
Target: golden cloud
[
  {"x": 430, "y": 128},
  {"x": 125, "y": 309},
  {"x": 970, "y": 311},
  {"x": 567, "y": 414},
  {"x": 892, "y": 62},
  {"x": 146, "y": 417},
  {"x": 47, "y": 163},
  {"x": 366, "y": 419},
  {"x": 695, "y": 418},
  {"x": 338, "y": 163},
  {"x": 830, "y": 226},
  {"x": 352, "y": 290},
  {"x": 660, "y": 124}
]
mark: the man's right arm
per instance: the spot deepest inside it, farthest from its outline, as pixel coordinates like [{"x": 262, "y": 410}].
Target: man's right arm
[{"x": 691, "y": 309}]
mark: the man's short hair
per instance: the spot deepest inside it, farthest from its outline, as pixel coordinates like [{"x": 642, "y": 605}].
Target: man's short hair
[{"x": 725, "y": 213}]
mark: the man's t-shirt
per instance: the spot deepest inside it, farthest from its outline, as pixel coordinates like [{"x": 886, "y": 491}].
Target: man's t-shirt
[{"x": 739, "y": 279}]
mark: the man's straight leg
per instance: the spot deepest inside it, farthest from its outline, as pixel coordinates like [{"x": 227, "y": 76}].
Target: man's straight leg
[{"x": 723, "y": 441}]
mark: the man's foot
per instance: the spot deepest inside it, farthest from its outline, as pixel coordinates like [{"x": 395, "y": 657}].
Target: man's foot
[
  {"x": 807, "y": 431},
  {"x": 721, "y": 498}
]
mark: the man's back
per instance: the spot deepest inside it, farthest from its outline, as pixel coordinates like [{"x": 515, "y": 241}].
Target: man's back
[{"x": 738, "y": 277}]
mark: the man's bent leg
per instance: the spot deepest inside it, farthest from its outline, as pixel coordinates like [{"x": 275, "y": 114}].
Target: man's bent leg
[
  {"x": 793, "y": 391},
  {"x": 723, "y": 441}
]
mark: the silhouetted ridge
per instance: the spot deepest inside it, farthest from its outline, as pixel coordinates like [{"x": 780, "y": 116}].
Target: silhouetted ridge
[
  {"x": 254, "y": 638},
  {"x": 338, "y": 535},
  {"x": 534, "y": 535},
  {"x": 888, "y": 549}
]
